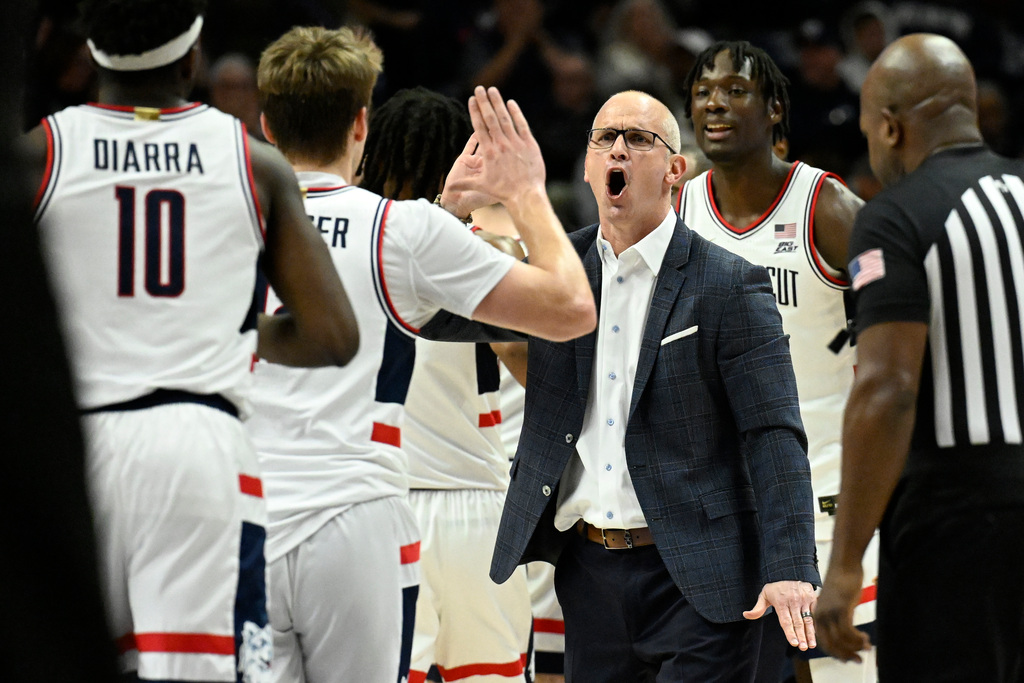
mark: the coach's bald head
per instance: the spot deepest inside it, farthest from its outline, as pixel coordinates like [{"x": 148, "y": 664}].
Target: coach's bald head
[{"x": 919, "y": 96}]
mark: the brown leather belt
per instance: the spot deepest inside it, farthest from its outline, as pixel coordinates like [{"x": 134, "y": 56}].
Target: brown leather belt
[{"x": 616, "y": 539}]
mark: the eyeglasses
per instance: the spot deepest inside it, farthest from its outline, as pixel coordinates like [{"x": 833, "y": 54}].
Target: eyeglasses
[{"x": 636, "y": 139}]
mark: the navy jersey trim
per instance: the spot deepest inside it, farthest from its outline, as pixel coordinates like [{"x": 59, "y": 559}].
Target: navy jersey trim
[{"x": 377, "y": 267}]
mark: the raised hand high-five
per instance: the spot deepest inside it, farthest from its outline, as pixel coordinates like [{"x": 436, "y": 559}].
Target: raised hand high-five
[{"x": 501, "y": 161}]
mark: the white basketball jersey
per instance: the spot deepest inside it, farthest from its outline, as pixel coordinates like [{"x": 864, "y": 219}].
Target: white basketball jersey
[
  {"x": 151, "y": 230},
  {"x": 513, "y": 405},
  {"x": 329, "y": 438},
  {"x": 809, "y": 295},
  {"x": 453, "y": 426}
]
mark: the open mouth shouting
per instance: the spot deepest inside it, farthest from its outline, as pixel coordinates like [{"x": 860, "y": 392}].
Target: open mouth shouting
[{"x": 616, "y": 183}]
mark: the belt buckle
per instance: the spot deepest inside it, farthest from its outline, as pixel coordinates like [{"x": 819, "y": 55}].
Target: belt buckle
[{"x": 626, "y": 536}]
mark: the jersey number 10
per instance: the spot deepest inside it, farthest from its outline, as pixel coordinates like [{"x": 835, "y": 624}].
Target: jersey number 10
[{"x": 164, "y": 249}]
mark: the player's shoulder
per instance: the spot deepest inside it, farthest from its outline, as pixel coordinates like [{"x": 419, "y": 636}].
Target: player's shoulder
[
  {"x": 418, "y": 223},
  {"x": 828, "y": 184},
  {"x": 420, "y": 213}
]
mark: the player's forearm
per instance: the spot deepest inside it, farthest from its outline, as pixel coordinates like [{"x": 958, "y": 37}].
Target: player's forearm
[
  {"x": 514, "y": 355},
  {"x": 279, "y": 340},
  {"x": 567, "y": 292}
]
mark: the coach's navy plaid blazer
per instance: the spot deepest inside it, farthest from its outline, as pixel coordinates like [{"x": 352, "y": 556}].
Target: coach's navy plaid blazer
[{"x": 715, "y": 445}]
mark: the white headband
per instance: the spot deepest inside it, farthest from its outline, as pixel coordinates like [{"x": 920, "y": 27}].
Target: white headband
[{"x": 165, "y": 54}]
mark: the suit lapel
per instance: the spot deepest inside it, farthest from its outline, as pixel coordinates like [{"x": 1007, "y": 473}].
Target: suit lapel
[
  {"x": 666, "y": 291},
  {"x": 585, "y": 344}
]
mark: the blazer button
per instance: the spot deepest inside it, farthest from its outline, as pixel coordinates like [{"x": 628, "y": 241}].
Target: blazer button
[
  {"x": 568, "y": 438},
  {"x": 546, "y": 490}
]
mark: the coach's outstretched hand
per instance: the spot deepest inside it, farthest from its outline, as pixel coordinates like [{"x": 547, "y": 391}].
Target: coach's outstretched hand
[
  {"x": 793, "y": 602},
  {"x": 501, "y": 161}
]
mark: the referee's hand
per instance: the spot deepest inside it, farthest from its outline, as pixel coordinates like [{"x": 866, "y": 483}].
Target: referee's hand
[{"x": 834, "y": 613}]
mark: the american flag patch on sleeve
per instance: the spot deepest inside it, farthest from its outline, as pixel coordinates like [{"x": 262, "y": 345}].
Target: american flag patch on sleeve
[
  {"x": 867, "y": 268},
  {"x": 785, "y": 231}
]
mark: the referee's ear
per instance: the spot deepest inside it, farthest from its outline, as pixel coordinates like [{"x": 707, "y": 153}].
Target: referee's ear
[{"x": 893, "y": 134}]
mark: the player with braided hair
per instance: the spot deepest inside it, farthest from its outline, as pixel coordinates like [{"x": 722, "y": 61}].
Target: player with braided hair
[
  {"x": 458, "y": 468},
  {"x": 343, "y": 546},
  {"x": 762, "y": 70},
  {"x": 795, "y": 220},
  {"x": 152, "y": 211},
  {"x": 415, "y": 136}
]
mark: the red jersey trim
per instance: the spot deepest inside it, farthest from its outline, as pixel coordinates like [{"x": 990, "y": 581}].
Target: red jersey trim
[
  {"x": 380, "y": 272},
  {"x": 819, "y": 264},
  {"x": 332, "y": 188},
  {"x": 491, "y": 419},
  {"x": 388, "y": 434},
  {"x": 250, "y": 486},
  {"x": 130, "y": 109},
  {"x": 760, "y": 220},
  {"x": 48, "y": 173},
  {"x": 549, "y": 626},
  {"x": 252, "y": 183},
  {"x": 182, "y": 643},
  {"x": 508, "y": 669},
  {"x": 868, "y": 594},
  {"x": 410, "y": 553}
]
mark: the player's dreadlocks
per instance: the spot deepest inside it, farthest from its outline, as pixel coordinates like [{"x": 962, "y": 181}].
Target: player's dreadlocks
[
  {"x": 763, "y": 71},
  {"x": 131, "y": 27},
  {"x": 415, "y": 137}
]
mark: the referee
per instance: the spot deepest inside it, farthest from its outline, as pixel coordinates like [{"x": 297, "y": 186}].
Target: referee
[{"x": 932, "y": 438}]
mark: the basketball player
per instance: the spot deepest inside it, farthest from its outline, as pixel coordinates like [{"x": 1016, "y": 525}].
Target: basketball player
[
  {"x": 547, "y": 663},
  {"x": 343, "y": 544},
  {"x": 458, "y": 470},
  {"x": 795, "y": 220},
  {"x": 152, "y": 211}
]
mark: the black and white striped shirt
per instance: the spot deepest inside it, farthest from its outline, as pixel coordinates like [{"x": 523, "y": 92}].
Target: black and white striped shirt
[{"x": 944, "y": 247}]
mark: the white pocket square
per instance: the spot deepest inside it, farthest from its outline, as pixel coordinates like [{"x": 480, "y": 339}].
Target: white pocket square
[{"x": 679, "y": 335}]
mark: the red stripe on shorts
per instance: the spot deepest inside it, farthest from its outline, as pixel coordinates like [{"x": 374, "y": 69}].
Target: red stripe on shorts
[
  {"x": 549, "y": 626},
  {"x": 417, "y": 676},
  {"x": 187, "y": 643},
  {"x": 410, "y": 553},
  {"x": 868, "y": 594},
  {"x": 250, "y": 486},
  {"x": 383, "y": 433},
  {"x": 509, "y": 669},
  {"x": 490, "y": 419}
]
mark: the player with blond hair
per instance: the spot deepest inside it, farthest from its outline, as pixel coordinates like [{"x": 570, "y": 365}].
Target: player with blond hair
[{"x": 343, "y": 544}]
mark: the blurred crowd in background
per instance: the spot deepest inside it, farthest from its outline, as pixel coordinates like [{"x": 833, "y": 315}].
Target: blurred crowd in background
[{"x": 561, "y": 58}]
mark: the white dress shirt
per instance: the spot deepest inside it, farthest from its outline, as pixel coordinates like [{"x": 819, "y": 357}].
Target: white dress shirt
[{"x": 596, "y": 485}]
